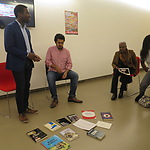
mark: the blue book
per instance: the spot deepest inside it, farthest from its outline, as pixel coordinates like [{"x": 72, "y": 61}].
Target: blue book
[
  {"x": 55, "y": 143},
  {"x": 106, "y": 116}
]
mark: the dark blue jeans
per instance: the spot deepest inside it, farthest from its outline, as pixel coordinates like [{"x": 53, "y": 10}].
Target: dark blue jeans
[{"x": 52, "y": 77}]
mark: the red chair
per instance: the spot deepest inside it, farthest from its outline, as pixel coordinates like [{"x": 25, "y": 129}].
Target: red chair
[
  {"x": 137, "y": 74},
  {"x": 7, "y": 84}
]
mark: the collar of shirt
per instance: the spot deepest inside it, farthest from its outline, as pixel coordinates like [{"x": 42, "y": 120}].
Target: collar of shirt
[
  {"x": 25, "y": 35},
  {"x": 23, "y": 27}
]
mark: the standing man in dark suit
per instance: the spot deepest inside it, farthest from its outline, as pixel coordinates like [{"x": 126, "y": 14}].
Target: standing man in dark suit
[{"x": 20, "y": 57}]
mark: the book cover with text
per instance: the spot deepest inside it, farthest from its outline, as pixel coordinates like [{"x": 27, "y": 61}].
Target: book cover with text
[
  {"x": 106, "y": 116},
  {"x": 52, "y": 126},
  {"x": 69, "y": 134},
  {"x": 88, "y": 114},
  {"x": 63, "y": 121},
  {"x": 55, "y": 143},
  {"x": 37, "y": 135},
  {"x": 73, "y": 117}
]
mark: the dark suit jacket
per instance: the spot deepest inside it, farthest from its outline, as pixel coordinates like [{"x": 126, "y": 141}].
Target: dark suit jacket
[{"x": 15, "y": 47}]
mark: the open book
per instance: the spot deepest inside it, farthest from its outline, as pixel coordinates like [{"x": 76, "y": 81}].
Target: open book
[{"x": 125, "y": 71}]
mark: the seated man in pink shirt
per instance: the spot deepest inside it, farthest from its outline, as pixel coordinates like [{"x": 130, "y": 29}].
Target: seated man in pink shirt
[{"x": 59, "y": 65}]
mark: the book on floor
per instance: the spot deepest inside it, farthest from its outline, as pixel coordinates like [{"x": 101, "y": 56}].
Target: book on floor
[
  {"x": 37, "y": 135},
  {"x": 73, "y": 117},
  {"x": 83, "y": 124},
  {"x": 63, "y": 121},
  {"x": 106, "y": 116},
  {"x": 88, "y": 114},
  {"x": 55, "y": 143},
  {"x": 103, "y": 124},
  {"x": 52, "y": 126},
  {"x": 96, "y": 134},
  {"x": 69, "y": 134}
]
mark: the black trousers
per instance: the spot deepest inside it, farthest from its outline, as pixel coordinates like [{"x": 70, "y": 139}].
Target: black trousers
[
  {"x": 22, "y": 80},
  {"x": 124, "y": 79}
]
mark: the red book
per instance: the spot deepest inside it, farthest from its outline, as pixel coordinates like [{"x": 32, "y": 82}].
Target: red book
[{"x": 88, "y": 114}]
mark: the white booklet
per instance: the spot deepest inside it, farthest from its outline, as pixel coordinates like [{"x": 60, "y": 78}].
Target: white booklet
[
  {"x": 125, "y": 71},
  {"x": 104, "y": 124},
  {"x": 83, "y": 124}
]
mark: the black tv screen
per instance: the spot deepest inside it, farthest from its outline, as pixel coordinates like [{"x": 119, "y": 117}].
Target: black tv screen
[{"x": 7, "y": 11}]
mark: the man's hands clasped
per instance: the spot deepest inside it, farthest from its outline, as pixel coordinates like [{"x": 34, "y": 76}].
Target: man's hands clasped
[{"x": 34, "y": 57}]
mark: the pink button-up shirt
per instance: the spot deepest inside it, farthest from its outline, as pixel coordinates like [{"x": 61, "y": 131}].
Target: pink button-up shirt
[{"x": 59, "y": 58}]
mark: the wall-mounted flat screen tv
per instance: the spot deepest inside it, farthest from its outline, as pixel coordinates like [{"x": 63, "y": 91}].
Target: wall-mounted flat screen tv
[{"x": 7, "y": 11}]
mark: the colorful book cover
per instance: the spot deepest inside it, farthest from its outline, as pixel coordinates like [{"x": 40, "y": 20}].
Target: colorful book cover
[
  {"x": 52, "y": 126},
  {"x": 73, "y": 117},
  {"x": 88, "y": 114},
  {"x": 69, "y": 134},
  {"x": 37, "y": 135},
  {"x": 55, "y": 143},
  {"x": 63, "y": 121},
  {"x": 106, "y": 116}
]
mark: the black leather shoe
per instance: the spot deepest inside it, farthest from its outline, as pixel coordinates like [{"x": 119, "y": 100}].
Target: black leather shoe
[
  {"x": 114, "y": 96},
  {"x": 120, "y": 94}
]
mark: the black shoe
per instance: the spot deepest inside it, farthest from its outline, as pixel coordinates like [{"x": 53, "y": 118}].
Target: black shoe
[
  {"x": 114, "y": 96},
  {"x": 120, "y": 94},
  {"x": 138, "y": 97}
]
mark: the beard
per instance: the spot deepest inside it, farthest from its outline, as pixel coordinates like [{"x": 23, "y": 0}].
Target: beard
[{"x": 60, "y": 48}]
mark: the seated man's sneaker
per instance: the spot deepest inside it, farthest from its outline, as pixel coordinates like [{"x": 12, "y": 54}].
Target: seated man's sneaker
[
  {"x": 75, "y": 100},
  {"x": 54, "y": 103}
]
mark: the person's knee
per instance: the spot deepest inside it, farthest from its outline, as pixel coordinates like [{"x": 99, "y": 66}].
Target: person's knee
[
  {"x": 76, "y": 76},
  {"x": 73, "y": 75},
  {"x": 143, "y": 87},
  {"x": 51, "y": 77}
]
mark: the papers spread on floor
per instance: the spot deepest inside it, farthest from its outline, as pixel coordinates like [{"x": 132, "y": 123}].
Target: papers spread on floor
[
  {"x": 103, "y": 124},
  {"x": 83, "y": 124}
]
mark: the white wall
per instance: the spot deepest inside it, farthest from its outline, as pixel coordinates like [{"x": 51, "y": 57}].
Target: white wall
[{"x": 102, "y": 25}]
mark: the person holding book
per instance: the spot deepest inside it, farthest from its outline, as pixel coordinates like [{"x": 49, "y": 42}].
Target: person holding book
[
  {"x": 20, "y": 57},
  {"x": 145, "y": 63},
  {"x": 58, "y": 61},
  {"x": 123, "y": 58}
]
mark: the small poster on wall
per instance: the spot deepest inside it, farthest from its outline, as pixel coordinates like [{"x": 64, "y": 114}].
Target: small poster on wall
[{"x": 71, "y": 22}]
